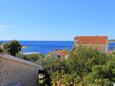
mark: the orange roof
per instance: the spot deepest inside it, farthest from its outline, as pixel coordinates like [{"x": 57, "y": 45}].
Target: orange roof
[
  {"x": 60, "y": 52},
  {"x": 91, "y": 39}
]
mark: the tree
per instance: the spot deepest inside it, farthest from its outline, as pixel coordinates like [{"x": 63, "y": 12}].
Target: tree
[
  {"x": 82, "y": 60},
  {"x": 35, "y": 57},
  {"x": 12, "y": 47},
  {"x": 102, "y": 75},
  {"x": 1, "y": 50}
]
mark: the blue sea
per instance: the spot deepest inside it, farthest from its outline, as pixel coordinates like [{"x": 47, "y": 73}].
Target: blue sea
[{"x": 47, "y": 46}]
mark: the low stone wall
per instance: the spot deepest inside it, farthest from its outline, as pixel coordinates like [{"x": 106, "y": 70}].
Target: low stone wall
[{"x": 17, "y": 72}]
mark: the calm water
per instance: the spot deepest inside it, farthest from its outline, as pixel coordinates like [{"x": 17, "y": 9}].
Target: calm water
[{"x": 47, "y": 46}]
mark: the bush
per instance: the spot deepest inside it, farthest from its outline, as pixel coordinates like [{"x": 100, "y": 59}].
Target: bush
[
  {"x": 31, "y": 57},
  {"x": 12, "y": 47}
]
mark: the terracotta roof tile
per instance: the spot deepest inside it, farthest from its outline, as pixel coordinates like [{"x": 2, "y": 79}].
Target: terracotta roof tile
[
  {"x": 91, "y": 39},
  {"x": 60, "y": 52}
]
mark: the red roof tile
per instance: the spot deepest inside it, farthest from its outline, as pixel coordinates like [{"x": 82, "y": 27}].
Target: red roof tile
[
  {"x": 91, "y": 39},
  {"x": 60, "y": 52}
]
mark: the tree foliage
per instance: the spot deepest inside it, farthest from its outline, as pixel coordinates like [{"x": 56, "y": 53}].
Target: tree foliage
[
  {"x": 37, "y": 58},
  {"x": 1, "y": 50},
  {"x": 12, "y": 47},
  {"x": 85, "y": 67},
  {"x": 103, "y": 75}
]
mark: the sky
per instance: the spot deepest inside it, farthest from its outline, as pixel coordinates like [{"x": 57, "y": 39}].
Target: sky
[{"x": 56, "y": 19}]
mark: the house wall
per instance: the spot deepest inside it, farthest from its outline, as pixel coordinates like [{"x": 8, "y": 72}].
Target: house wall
[
  {"x": 17, "y": 72},
  {"x": 100, "y": 47}
]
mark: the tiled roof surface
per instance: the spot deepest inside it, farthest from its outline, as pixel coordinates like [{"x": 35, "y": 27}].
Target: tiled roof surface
[
  {"x": 59, "y": 52},
  {"x": 91, "y": 39},
  {"x": 16, "y": 59}
]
